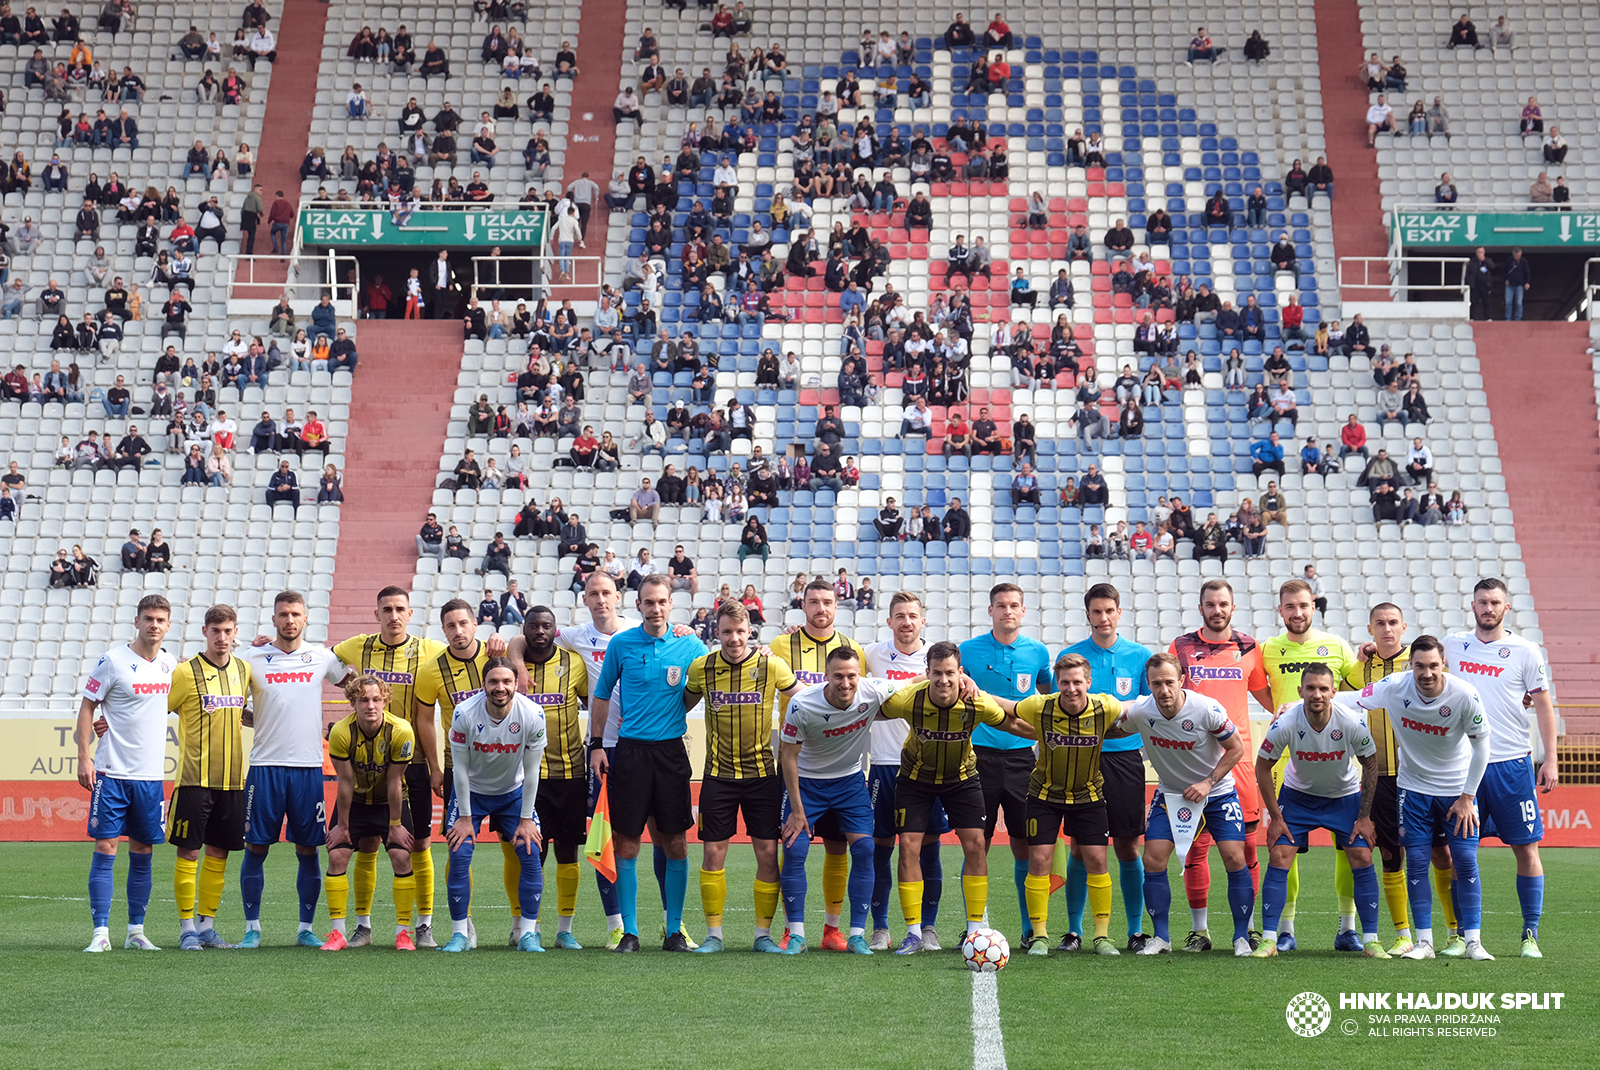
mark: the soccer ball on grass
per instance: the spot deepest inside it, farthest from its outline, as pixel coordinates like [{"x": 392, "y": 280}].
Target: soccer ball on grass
[{"x": 985, "y": 951}]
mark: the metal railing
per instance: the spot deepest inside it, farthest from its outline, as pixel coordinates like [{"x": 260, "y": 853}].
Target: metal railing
[
  {"x": 306, "y": 279},
  {"x": 543, "y": 277},
  {"x": 382, "y": 205},
  {"x": 1404, "y": 278},
  {"x": 1590, "y": 289}
]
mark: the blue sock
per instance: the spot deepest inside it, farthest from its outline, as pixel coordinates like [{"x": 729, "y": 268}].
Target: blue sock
[
  {"x": 626, "y": 891},
  {"x": 252, "y": 879},
  {"x": 308, "y": 885},
  {"x": 101, "y": 867},
  {"x": 1131, "y": 874},
  {"x": 859, "y": 888},
  {"x": 1419, "y": 885},
  {"x": 675, "y": 886},
  {"x": 458, "y": 881},
  {"x": 1078, "y": 893},
  {"x": 882, "y": 883},
  {"x": 1274, "y": 893},
  {"x": 530, "y": 882},
  {"x": 932, "y": 883},
  {"x": 1158, "y": 897},
  {"x": 1467, "y": 888},
  {"x": 1366, "y": 897},
  {"x": 658, "y": 857},
  {"x": 139, "y": 881},
  {"x": 1530, "y": 893},
  {"x": 608, "y": 894},
  {"x": 1019, "y": 874},
  {"x": 1242, "y": 899},
  {"x": 793, "y": 878}
]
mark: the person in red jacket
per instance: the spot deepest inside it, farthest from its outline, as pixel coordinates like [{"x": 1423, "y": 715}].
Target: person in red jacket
[
  {"x": 280, "y": 219},
  {"x": 998, "y": 35},
  {"x": 999, "y": 73},
  {"x": 1290, "y": 318},
  {"x": 1352, "y": 439}
]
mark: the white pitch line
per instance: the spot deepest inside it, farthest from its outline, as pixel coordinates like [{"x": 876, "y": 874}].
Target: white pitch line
[{"x": 988, "y": 1045}]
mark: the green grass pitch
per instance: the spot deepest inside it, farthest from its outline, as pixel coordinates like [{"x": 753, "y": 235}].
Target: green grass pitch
[{"x": 283, "y": 1006}]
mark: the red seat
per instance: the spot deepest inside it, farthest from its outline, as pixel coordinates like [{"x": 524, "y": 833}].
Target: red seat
[
  {"x": 1097, "y": 174},
  {"x": 1019, "y": 204},
  {"x": 1097, "y": 189},
  {"x": 1099, "y": 268},
  {"x": 1078, "y": 204},
  {"x": 1116, "y": 189}
]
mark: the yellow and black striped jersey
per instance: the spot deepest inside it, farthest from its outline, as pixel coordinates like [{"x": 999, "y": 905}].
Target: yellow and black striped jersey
[
  {"x": 1370, "y": 671},
  {"x": 447, "y": 681},
  {"x": 808, "y": 657},
  {"x": 397, "y": 666},
  {"x": 210, "y": 702},
  {"x": 738, "y": 711},
  {"x": 371, "y": 756},
  {"x": 560, "y": 685},
  {"x": 1068, "y": 767},
  {"x": 938, "y": 747}
]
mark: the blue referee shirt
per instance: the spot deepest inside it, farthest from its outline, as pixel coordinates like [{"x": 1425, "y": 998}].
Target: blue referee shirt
[
  {"x": 1118, "y": 672},
  {"x": 1010, "y": 672},
  {"x": 652, "y": 672}
]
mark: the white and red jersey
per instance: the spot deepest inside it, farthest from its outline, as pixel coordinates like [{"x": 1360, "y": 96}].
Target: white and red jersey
[
  {"x": 1320, "y": 763},
  {"x": 889, "y": 662},
  {"x": 286, "y": 702},
  {"x": 1434, "y": 736},
  {"x": 590, "y": 642},
  {"x": 833, "y": 741},
  {"x": 496, "y": 757},
  {"x": 132, "y": 694},
  {"x": 1502, "y": 672},
  {"x": 1185, "y": 747}
]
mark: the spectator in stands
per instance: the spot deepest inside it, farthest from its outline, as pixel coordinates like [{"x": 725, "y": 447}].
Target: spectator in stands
[
  {"x": 1531, "y": 120},
  {"x": 1022, "y": 290},
  {"x": 1268, "y": 454},
  {"x": 957, "y": 437},
  {"x": 329, "y": 487},
  {"x": 1320, "y": 178},
  {"x": 1284, "y": 405},
  {"x": 1201, "y": 47},
  {"x": 1463, "y": 33},
  {"x": 1211, "y": 540},
  {"x": 1518, "y": 280},
  {"x": 1025, "y": 486},
  {"x": 1386, "y": 505},
  {"x": 1118, "y": 241},
  {"x": 1380, "y": 118},
  {"x": 1284, "y": 257},
  {"x": 1352, "y": 438},
  {"x": 918, "y": 420},
  {"x": 827, "y": 472},
  {"x": 434, "y": 62},
  {"x": 1555, "y": 146},
  {"x": 1431, "y": 506},
  {"x": 1391, "y": 405},
  {"x": 1256, "y": 48},
  {"x": 957, "y": 523},
  {"x": 645, "y": 504},
  {"x": 1381, "y": 469},
  {"x": 1273, "y": 506},
  {"x": 1419, "y": 463},
  {"x": 1540, "y": 191},
  {"x": 888, "y": 522},
  {"x": 497, "y": 557},
  {"x": 1445, "y": 192}
]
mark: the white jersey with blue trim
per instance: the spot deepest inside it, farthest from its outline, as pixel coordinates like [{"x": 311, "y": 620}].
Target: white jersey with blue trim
[
  {"x": 590, "y": 643},
  {"x": 1502, "y": 671},
  {"x": 1186, "y": 747},
  {"x": 888, "y": 662}
]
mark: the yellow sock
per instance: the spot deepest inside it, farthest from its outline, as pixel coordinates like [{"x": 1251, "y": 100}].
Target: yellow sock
[
  {"x": 183, "y": 871},
  {"x": 567, "y": 875},
  {"x": 364, "y": 878},
  {"x": 911, "y": 904},
  {"x": 767, "y": 903},
  {"x": 337, "y": 890},
  {"x": 1037, "y": 889},
  {"x": 1100, "y": 902},
  {"x": 1441, "y": 888},
  {"x": 835, "y": 879},
  {"x": 1293, "y": 892},
  {"x": 422, "y": 867},
  {"x": 213, "y": 871},
  {"x": 405, "y": 898},
  {"x": 713, "y": 895},
  {"x": 511, "y": 872},
  {"x": 1394, "y": 893},
  {"x": 1344, "y": 885},
  {"x": 976, "y": 892}
]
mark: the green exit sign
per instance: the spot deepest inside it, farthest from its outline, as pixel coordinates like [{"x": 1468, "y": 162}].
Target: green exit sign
[
  {"x": 1442, "y": 228},
  {"x": 429, "y": 227}
]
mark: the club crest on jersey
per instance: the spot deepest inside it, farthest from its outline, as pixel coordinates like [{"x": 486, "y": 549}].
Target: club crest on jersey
[
  {"x": 1336, "y": 735},
  {"x": 674, "y": 675},
  {"x": 1505, "y": 652},
  {"x": 1188, "y": 725},
  {"x": 514, "y": 726},
  {"x": 1444, "y": 711},
  {"x": 1322, "y": 651},
  {"x": 1024, "y": 682},
  {"x": 862, "y": 708},
  {"x": 1124, "y": 685}
]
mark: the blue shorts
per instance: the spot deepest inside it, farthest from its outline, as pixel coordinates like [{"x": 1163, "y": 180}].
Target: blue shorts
[
  {"x": 1303, "y": 812},
  {"x": 1508, "y": 799},
  {"x": 1222, "y": 816},
  {"x": 1424, "y": 820},
  {"x": 273, "y": 793},
  {"x": 880, "y": 788},
  {"x": 503, "y": 811},
  {"x": 844, "y": 797},
  {"x": 132, "y": 808}
]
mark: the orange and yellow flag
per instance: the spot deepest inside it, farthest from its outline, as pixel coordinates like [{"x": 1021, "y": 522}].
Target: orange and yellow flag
[{"x": 599, "y": 849}]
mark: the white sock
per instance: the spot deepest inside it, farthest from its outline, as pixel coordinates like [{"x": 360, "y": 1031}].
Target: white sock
[
  {"x": 1199, "y": 915},
  {"x": 856, "y": 930},
  {"x": 305, "y": 927},
  {"x": 1347, "y": 923},
  {"x": 614, "y": 921},
  {"x": 518, "y": 927},
  {"x": 186, "y": 925},
  {"x": 830, "y": 920},
  {"x": 252, "y": 926},
  {"x": 530, "y": 925},
  {"x": 460, "y": 926},
  {"x": 1369, "y": 938},
  {"x": 203, "y": 923},
  {"x": 1424, "y": 936},
  {"x": 422, "y": 919},
  {"x": 1269, "y": 937},
  {"x": 797, "y": 928},
  {"x": 564, "y": 923},
  {"x": 915, "y": 930},
  {"x": 714, "y": 930},
  {"x": 1286, "y": 926},
  {"x": 338, "y": 925},
  {"x": 974, "y": 926},
  {"x": 401, "y": 930},
  {"x": 1403, "y": 933},
  {"x": 364, "y": 921},
  {"x": 767, "y": 932},
  {"x": 1473, "y": 934},
  {"x": 133, "y": 930},
  {"x": 101, "y": 930}
]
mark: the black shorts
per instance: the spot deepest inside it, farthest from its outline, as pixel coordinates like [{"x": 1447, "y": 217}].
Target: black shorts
[
  {"x": 1123, "y": 773},
  {"x": 1386, "y": 819},
  {"x": 206, "y": 817},
  {"x": 721, "y": 799},
  {"x": 962, "y": 799},
  {"x": 369, "y": 821},
  {"x": 650, "y": 779},
  {"x": 418, "y": 800},
  {"x": 1085, "y": 823},
  {"x": 1004, "y": 776},
  {"x": 563, "y": 809}
]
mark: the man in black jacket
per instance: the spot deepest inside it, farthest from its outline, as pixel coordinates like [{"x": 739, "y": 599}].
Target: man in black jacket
[{"x": 957, "y": 523}]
